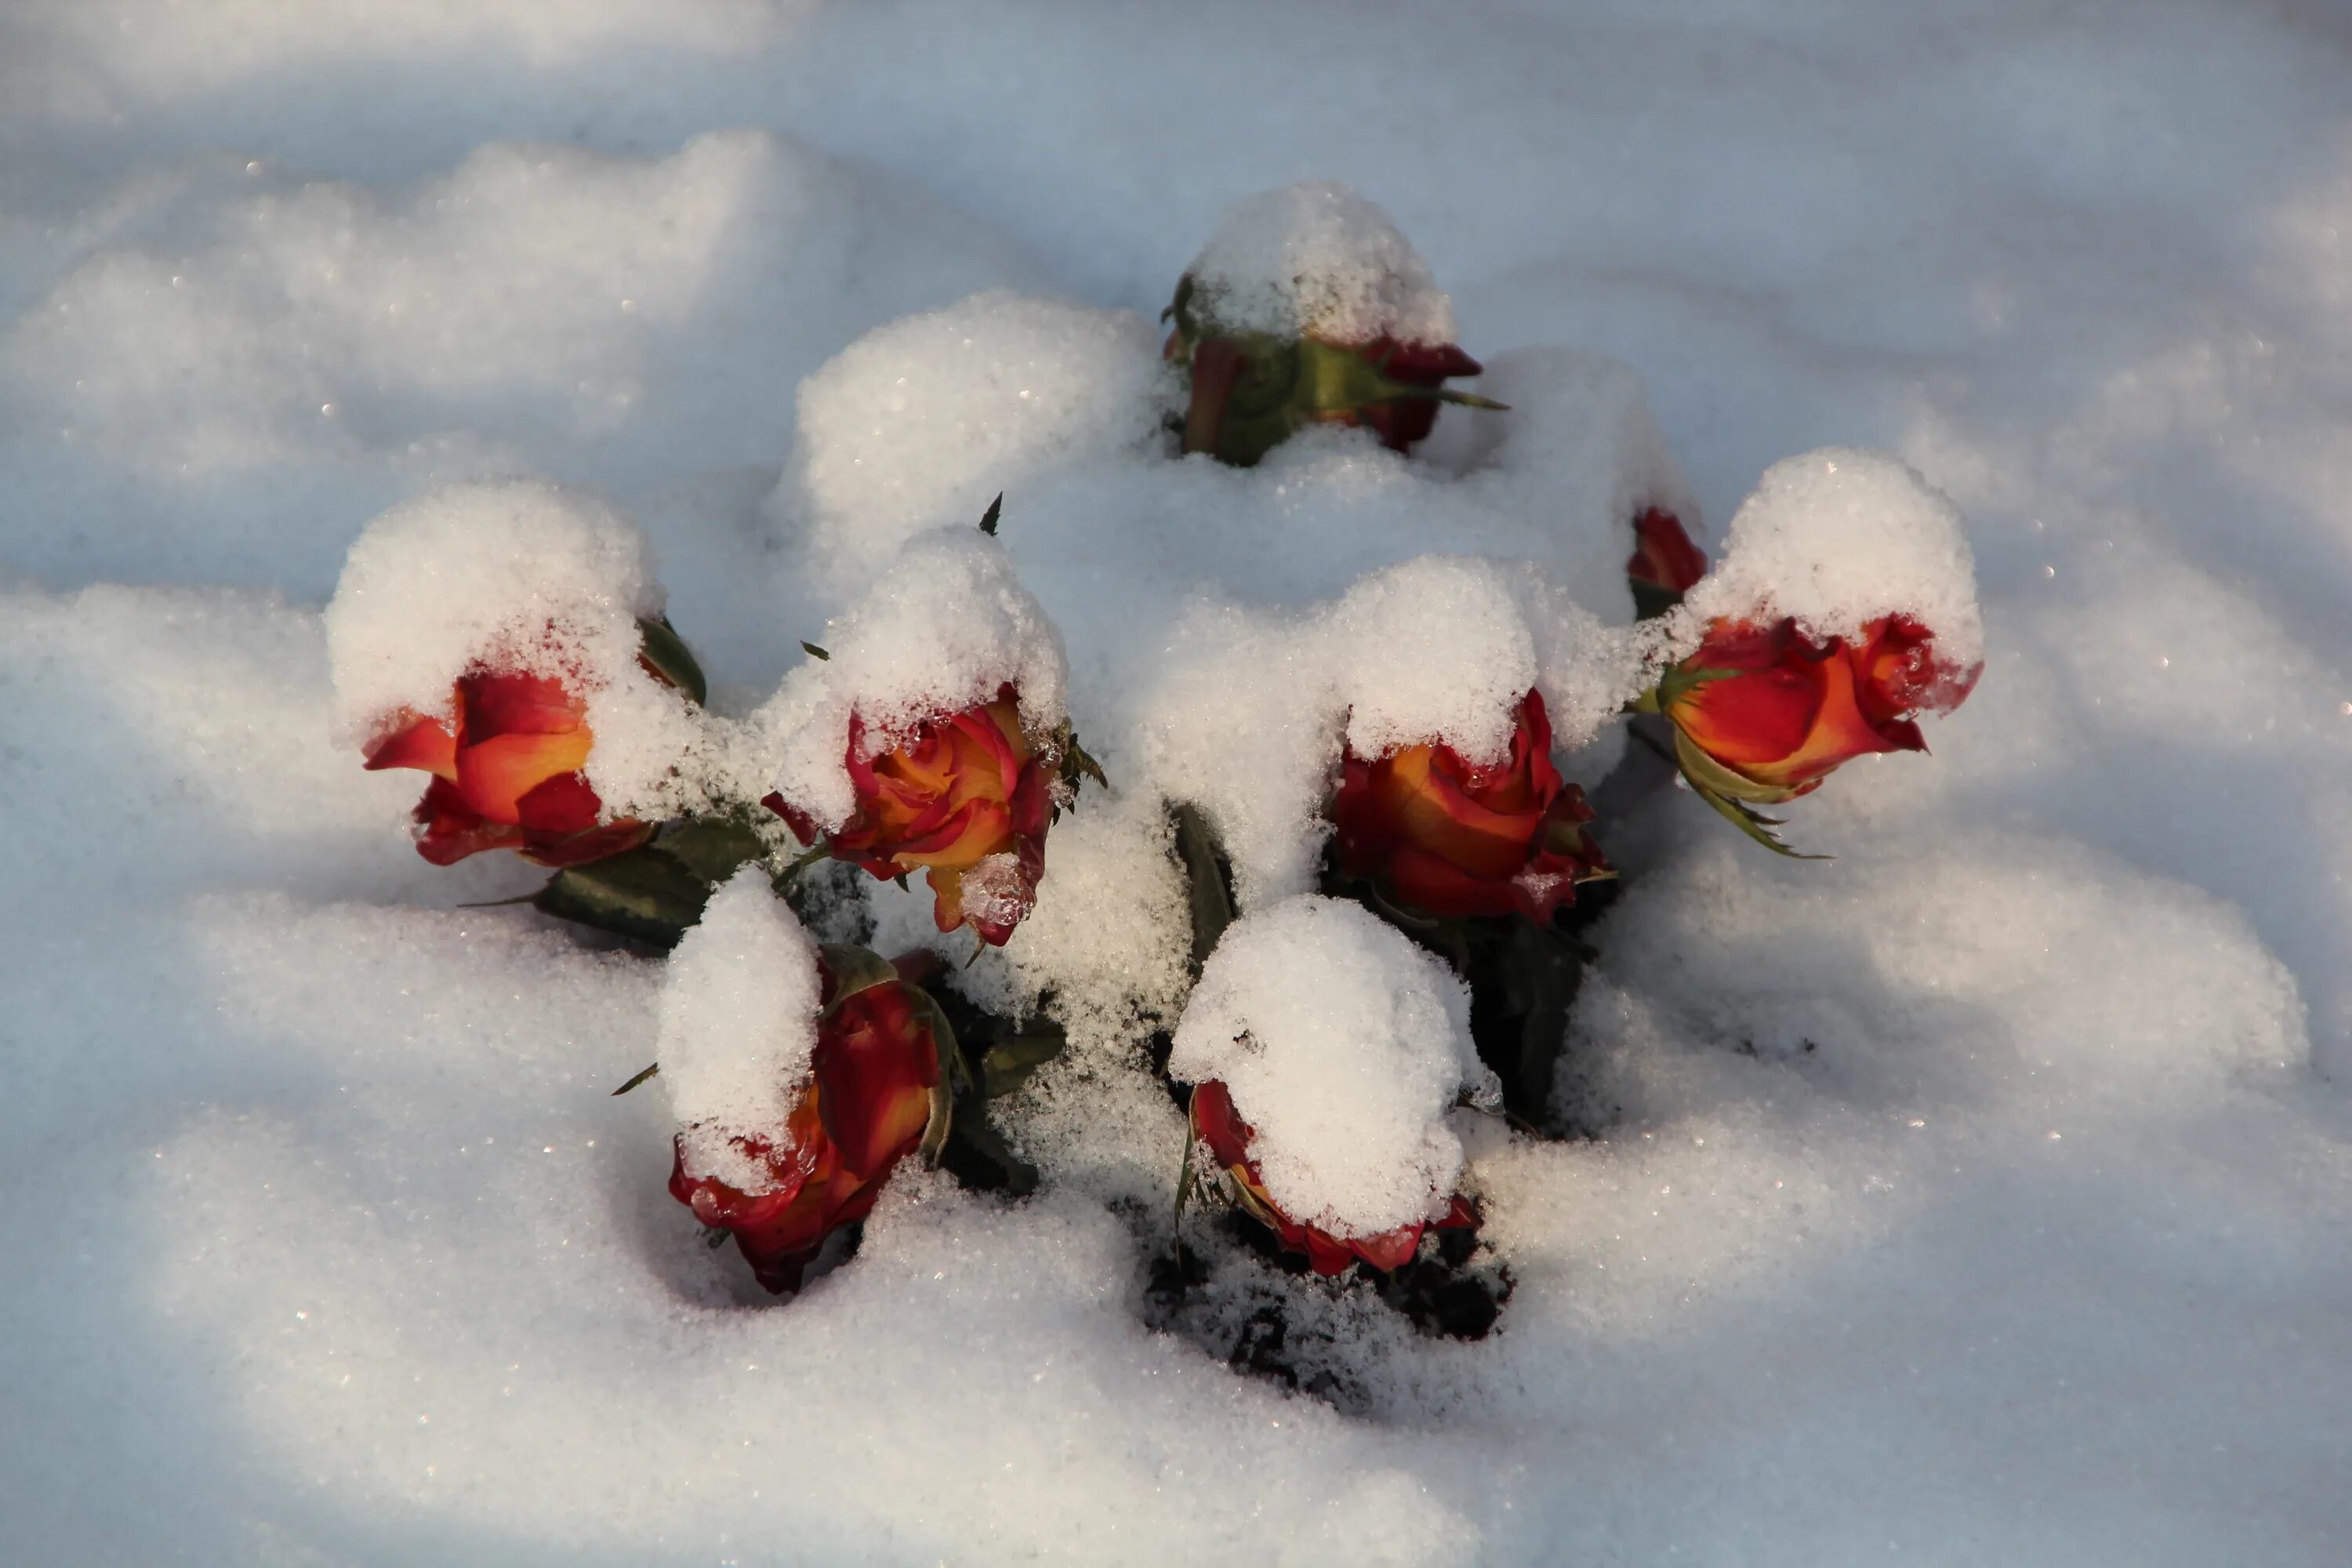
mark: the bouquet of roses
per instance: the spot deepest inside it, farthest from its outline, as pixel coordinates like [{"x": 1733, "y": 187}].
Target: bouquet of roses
[{"x": 1353, "y": 836}]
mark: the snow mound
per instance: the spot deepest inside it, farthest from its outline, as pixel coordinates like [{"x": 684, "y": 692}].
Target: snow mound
[
  {"x": 1317, "y": 259},
  {"x": 920, "y": 423},
  {"x": 739, "y": 1000},
  {"x": 1837, "y": 539},
  {"x": 1345, "y": 1048}
]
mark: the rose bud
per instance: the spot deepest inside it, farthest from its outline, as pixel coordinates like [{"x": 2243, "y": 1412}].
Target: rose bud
[
  {"x": 1665, "y": 564},
  {"x": 1251, "y": 391},
  {"x": 506, "y": 775},
  {"x": 1440, "y": 836},
  {"x": 1764, "y": 713},
  {"x": 875, "y": 1094},
  {"x": 1217, "y": 1124},
  {"x": 966, "y": 798}
]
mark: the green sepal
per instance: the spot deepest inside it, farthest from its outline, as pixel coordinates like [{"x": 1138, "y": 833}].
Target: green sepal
[
  {"x": 667, "y": 651},
  {"x": 1704, "y": 772},
  {"x": 988, "y": 519},
  {"x": 952, "y": 1076},
  {"x": 1700, "y": 770},
  {"x": 1013, "y": 1058},
  {"x": 852, "y": 969},
  {"x": 639, "y": 1077}
]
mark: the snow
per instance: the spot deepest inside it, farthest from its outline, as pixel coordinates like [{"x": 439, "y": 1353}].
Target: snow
[
  {"x": 1344, "y": 1046},
  {"x": 1316, "y": 259},
  {"x": 739, "y": 1005},
  {"x": 1837, "y": 539},
  {"x": 1979, "y": 1195}
]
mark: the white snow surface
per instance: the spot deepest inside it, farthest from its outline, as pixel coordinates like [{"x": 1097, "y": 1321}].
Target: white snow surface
[
  {"x": 1835, "y": 540},
  {"x": 1345, "y": 1048},
  {"x": 740, "y": 999},
  {"x": 1980, "y": 1196},
  {"x": 1318, "y": 259}
]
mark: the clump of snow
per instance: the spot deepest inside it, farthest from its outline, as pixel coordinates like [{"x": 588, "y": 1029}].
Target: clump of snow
[
  {"x": 948, "y": 625},
  {"x": 738, "y": 1006},
  {"x": 520, "y": 577},
  {"x": 1317, "y": 259},
  {"x": 1838, "y": 538},
  {"x": 1345, "y": 1048},
  {"x": 921, "y": 422}
]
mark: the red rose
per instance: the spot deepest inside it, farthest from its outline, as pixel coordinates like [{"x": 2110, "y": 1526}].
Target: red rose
[
  {"x": 1765, "y": 713},
  {"x": 1443, "y": 837},
  {"x": 506, "y": 775},
  {"x": 1664, "y": 561},
  {"x": 1217, "y": 1124},
  {"x": 873, "y": 1092},
  {"x": 966, "y": 799}
]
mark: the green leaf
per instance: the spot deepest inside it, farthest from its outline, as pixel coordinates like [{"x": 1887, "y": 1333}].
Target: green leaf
[
  {"x": 1013, "y": 1058},
  {"x": 813, "y": 651},
  {"x": 712, "y": 848},
  {"x": 1211, "y": 894},
  {"x": 646, "y": 894},
  {"x": 667, "y": 651}
]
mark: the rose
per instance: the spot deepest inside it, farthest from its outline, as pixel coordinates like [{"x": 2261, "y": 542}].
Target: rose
[
  {"x": 874, "y": 1095},
  {"x": 966, "y": 798},
  {"x": 1440, "y": 836},
  {"x": 1252, "y": 390},
  {"x": 1216, "y": 1123},
  {"x": 1764, "y": 713},
  {"x": 506, "y": 773},
  {"x": 1664, "y": 564}
]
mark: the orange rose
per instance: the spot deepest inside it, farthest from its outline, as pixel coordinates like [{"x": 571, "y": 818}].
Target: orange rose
[
  {"x": 1443, "y": 837},
  {"x": 966, "y": 799},
  {"x": 1765, "y": 713},
  {"x": 1664, "y": 564},
  {"x": 506, "y": 775},
  {"x": 1217, "y": 1124},
  {"x": 874, "y": 1093}
]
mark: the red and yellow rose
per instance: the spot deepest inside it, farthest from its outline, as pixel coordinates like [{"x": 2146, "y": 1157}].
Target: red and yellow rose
[
  {"x": 1441, "y": 836},
  {"x": 1765, "y": 712},
  {"x": 1217, "y": 1124},
  {"x": 966, "y": 798},
  {"x": 506, "y": 773},
  {"x": 875, "y": 1091}
]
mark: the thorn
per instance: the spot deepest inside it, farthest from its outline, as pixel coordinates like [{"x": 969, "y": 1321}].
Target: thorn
[{"x": 988, "y": 519}]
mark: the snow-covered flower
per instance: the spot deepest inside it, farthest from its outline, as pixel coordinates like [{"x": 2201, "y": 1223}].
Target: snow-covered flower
[
  {"x": 1766, "y": 712},
  {"x": 1442, "y": 836},
  {"x": 966, "y": 798},
  {"x": 505, "y": 766},
  {"x": 871, "y": 1092}
]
